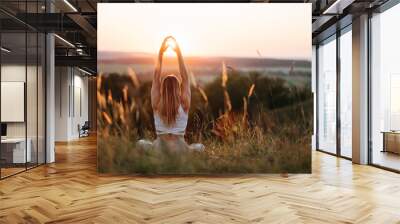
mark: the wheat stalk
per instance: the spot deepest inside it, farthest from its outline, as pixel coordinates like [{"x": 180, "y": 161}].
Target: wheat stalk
[
  {"x": 133, "y": 77},
  {"x": 244, "y": 119},
  {"x": 251, "y": 90},
  {"x": 197, "y": 86},
  {"x": 109, "y": 97},
  {"x": 121, "y": 112},
  {"x": 224, "y": 75},
  {"x": 101, "y": 100},
  {"x": 99, "y": 81},
  {"x": 193, "y": 79},
  {"x": 125, "y": 93},
  {"x": 107, "y": 118},
  {"x": 227, "y": 99},
  {"x": 203, "y": 94},
  {"x": 228, "y": 104}
]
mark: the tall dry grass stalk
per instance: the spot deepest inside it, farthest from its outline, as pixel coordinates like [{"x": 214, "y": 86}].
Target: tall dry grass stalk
[
  {"x": 245, "y": 113},
  {"x": 224, "y": 78},
  {"x": 197, "y": 86},
  {"x": 232, "y": 145},
  {"x": 246, "y": 100},
  {"x": 251, "y": 90},
  {"x": 109, "y": 97},
  {"x": 107, "y": 118},
  {"x": 203, "y": 95},
  {"x": 125, "y": 93},
  {"x": 101, "y": 100},
  {"x": 193, "y": 79},
  {"x": 99, "y": 81},
  {"x": 116, "y": 115},
  {"x": 134, "y": 78}
]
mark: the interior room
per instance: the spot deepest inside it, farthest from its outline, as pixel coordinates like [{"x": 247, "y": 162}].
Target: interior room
[
  {"x": 385, "y": 89},
  {"x": 71, "y": 103},
  {"x": 52, "y": 87},
  {"x": 22, "y": 100}
]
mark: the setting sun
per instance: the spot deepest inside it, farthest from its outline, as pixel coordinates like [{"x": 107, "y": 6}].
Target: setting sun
[
  {"x": 171, "y": 48},
  {"x": 171, "y": 44}
]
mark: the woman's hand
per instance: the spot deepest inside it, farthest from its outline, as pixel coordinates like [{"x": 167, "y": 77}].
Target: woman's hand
[
  {"x": 165, "y": 45},
  {"x": 175, "y": 45}
]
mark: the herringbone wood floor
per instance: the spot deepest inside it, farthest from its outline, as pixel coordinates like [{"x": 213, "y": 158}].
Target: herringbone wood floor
[{"x": 70, "y": 191}]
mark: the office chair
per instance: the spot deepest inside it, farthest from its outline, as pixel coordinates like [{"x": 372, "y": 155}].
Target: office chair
[{"x": 84, "y": 130}]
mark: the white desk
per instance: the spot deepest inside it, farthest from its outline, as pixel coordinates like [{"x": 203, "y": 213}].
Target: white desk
[{"x": 18, "y": 149}]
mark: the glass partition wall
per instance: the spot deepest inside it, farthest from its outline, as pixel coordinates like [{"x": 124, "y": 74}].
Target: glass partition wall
[
  {"x": 334, "y": 93},
  {"x": 335, "y": 104},
  {"x": 345, "y": 62},
  {"x": 327, "y": 95},
  {"x": 22, "y": 77},
  {"x": 385, "y": 89}
]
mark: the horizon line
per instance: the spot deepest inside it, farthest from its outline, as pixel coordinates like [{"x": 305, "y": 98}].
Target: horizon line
[{"x": 216, "y": 56}]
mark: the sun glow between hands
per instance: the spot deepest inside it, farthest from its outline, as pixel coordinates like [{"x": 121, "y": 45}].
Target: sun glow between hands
[
  {"x": 171, "y": 44},
  {"x": 171, "y": 48}
]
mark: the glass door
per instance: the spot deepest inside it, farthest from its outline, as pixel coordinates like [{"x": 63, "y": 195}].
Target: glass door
[
  {"x": 346, "y": 92},
  {"x": 327, "y": 95},
  {"x": 385, "y": 89},
  {"x": 14, "y": 153},
  {"x": 22, "y": 77}
]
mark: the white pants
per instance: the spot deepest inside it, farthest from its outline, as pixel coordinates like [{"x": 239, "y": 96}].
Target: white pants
[{"x": 146, "y": 145}]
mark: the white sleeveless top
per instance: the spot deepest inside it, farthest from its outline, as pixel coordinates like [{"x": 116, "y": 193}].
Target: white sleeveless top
[{"x": 177, "y": 129}]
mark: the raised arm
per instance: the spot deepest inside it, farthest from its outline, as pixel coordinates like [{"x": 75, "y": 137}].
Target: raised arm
[
  {"x": 185, "y": 90},
  {"x": 155, "y": 87}
]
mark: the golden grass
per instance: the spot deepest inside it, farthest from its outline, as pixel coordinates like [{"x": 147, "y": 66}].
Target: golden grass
[{"x": 233, "y": 144}]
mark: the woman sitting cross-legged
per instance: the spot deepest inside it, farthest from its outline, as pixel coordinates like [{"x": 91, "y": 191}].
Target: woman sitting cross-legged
[{"x": 170, "y": 99}]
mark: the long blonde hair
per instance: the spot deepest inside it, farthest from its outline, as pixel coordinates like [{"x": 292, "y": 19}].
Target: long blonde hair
[{"x": 170, "y": 99}]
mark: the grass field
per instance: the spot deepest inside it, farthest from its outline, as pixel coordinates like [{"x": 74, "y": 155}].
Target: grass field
[{"x": 248, "y": 122}]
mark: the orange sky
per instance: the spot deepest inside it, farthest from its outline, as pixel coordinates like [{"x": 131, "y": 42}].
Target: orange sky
[{"x": 237, "y": 30}]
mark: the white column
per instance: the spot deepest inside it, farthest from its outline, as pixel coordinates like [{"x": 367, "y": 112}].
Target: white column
[
  {"x": 360, "y": 90},
  {"x": 50, "y": 99},
  {"x": 50, "y": 92}
]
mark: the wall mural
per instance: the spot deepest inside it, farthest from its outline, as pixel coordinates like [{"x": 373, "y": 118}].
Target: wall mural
[{"x": 204, "y": 88}]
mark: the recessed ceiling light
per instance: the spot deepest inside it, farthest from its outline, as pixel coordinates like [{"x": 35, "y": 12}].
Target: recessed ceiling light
[
  {"x": 5, "y": 50},
  {"x": 70, "y": 5},
  {"x": 84, "y": 71},
  {"x": 337, "y": 7},
  {"x": 64, "y": 40}
]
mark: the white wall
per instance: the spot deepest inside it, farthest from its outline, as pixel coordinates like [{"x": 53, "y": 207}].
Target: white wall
[
  {"x": 33, "y": 126},
  {"x": 80, "y": 110},
  {"x": 71, "y": 94},
  {"x": 61, "y": 103},
  {"x": 12, "y": 73}
]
